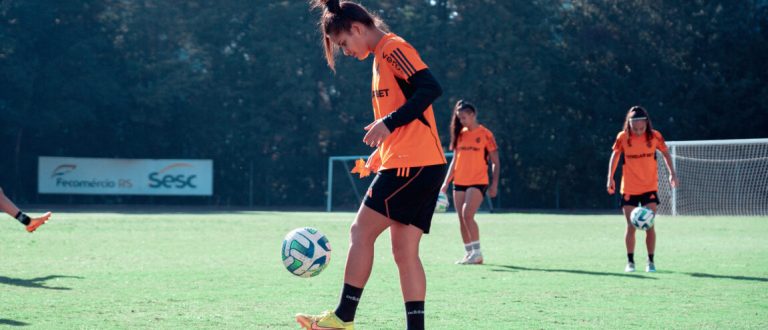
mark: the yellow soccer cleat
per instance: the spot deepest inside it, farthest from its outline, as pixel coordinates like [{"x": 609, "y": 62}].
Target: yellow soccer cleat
[{"x": 326, "y": 321}]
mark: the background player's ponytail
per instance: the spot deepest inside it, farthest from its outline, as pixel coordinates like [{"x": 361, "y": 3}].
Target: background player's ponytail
[
  {"x": 338, "y": 16},
  {"x": 456, "y": 125},
  {"x": 639, "y": 112}
]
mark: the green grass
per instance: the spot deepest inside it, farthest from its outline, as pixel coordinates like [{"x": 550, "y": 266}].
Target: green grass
[{"x": 109, "y": 270}]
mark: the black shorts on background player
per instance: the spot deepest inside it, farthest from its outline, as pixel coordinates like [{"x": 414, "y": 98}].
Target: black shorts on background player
[{"x": 482, "y": 187}]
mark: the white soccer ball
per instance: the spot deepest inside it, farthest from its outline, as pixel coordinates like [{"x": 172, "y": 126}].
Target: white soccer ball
[
  {"x": 642, "y": 218},
  {"x": 306, "y": 252},
  {"x": 442, "y": 203}
]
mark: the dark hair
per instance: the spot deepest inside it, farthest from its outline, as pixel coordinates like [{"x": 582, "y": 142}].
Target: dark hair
[
  {"x": 638, "y": 112},
  {"x": 338, "y": 16},
  {"x": 456, "y": 126}
]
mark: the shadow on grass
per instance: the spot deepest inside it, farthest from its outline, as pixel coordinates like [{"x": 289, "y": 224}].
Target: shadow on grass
[
  {"x": 36, "y": 282},
  {"x": 12, "y": 323},
  {"x": 728, "y": 277},
  {"x": 509, "y": 268}
]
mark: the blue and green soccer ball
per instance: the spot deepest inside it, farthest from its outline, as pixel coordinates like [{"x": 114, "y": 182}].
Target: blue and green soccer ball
[
  {"x": 306, "y": 252},
  {"x": 642, "y": 218}
]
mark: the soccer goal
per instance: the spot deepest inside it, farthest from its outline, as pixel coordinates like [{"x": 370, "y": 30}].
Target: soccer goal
[
  {"x": 716, "y": 177},
  {"x": 345, "y": 190}
]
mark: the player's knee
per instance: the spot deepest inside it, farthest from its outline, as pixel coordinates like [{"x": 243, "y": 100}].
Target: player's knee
[
  {"x": 358, "y": 235},
  {"x": 355, "y": 233},
  {"x": 468, "y": 215},
  {"x": 404, "y": 254}
]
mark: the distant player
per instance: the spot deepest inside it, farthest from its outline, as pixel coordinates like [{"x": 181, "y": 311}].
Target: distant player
[
  {"x": 31, "y": 223},
  {"x": 410, "y": 160},
  {"x": 474, "y": 149},
  {"x": 638, "y": 143}
]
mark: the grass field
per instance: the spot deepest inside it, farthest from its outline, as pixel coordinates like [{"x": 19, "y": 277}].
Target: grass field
[{"x": 217, "y": 270}]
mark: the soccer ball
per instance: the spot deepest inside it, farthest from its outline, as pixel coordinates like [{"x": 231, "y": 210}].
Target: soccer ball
[
  {"x": 642, "y": 218},
  {"x": 306, "y": 252},
  {"x": 442, "y": 203}
]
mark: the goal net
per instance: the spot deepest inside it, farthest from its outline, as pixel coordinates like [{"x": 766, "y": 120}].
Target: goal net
[{"x": 716, "y": 177}]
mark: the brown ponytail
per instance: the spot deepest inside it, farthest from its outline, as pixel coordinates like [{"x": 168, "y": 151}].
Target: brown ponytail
[{"x": 456, "y": 126}]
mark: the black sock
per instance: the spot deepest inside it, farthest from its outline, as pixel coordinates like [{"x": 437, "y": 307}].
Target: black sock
[
  {"x": 23, "y": 218},
  {"x": 350, "y": 297},
  {"x": 414, "y": 313},
  {"x": 650, "y": 257},
  {"x": 631, "y": 257}
]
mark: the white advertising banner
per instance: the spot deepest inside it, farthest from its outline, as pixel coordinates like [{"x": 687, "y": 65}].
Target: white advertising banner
[{"x": 107, "y": 176}]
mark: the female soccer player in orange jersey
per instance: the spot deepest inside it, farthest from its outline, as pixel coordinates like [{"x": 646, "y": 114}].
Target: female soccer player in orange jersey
[
  {"x": 409, "y": 159},
  {"x": 473, "y": 146},
  {"x": 638, "y": 143},
  {"x": 30, "y": 223}
]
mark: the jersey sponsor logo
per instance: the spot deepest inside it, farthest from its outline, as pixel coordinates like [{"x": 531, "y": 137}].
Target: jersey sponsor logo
[
  {"x": 380, "y": 93},
  {"x": 401, "y": 62},
  {"x": 465, "y": 148},
  {"x": 643, "y": 155}
]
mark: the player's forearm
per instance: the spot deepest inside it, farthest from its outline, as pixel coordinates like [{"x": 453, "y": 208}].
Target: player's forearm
[
  {"x": 427, "y": 90},
  {"x": 496, "y": 172},
  {"x": 449, "y": 174},
  {"x": 612, "y": 165},
  {"x": 668, "y": 162}
]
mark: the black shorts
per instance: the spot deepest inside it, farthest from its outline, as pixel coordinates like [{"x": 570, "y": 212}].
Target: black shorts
[
  {"x": 407, "y": 195},
  {"x": 482, "y": 187},
  {"x": 641, "y": 199}
]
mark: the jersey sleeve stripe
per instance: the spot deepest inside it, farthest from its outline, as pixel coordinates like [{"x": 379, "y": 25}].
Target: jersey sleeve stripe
[
  {"x": 399, "y": 54},
  {"x": 400, "y": 65}
]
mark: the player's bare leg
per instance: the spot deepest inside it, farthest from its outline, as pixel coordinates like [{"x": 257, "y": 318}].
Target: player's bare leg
[
  {"x": 629, "y": 239},
  {"x": 466, "y": 237}
]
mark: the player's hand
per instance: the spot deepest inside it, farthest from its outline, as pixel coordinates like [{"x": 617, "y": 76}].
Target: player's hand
[
  {"x": 492, "y": 191},
  {"x": 377, "y": 132},
  {"x": 673, "y": 181},
  {"x": 374, "y": 161},
  {"x": 611, "y": 186},
  {"x": 444, "y": 189}
]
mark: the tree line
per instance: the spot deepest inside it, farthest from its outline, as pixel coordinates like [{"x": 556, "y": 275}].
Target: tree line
[{"x": 245, "y": 84}]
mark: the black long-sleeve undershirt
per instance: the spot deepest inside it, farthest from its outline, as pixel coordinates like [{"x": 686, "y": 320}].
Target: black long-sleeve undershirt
[{"x": 426, "y": 91}]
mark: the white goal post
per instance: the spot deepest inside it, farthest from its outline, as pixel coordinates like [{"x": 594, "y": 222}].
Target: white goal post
[{"x": 716, "y": 177}]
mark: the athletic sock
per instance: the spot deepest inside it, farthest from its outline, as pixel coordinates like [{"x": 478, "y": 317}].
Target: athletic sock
[
  {"x": 631, "y": 257},
  {"x": 414, "y": 314},
  {"x": 350, "y": 297},
  {"x": 23, "y": 218},
  {"x": 468, "y": 248},
  {"x": 476, "y": 247},
  {"x": 650, "y": 257}
]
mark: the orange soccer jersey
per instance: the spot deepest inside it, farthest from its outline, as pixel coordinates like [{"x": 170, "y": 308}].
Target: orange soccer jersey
[
  {"x": 639, "y": 172},
  {"x": 472, "y": 149},
  {"x": 417, "y": 143}
]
